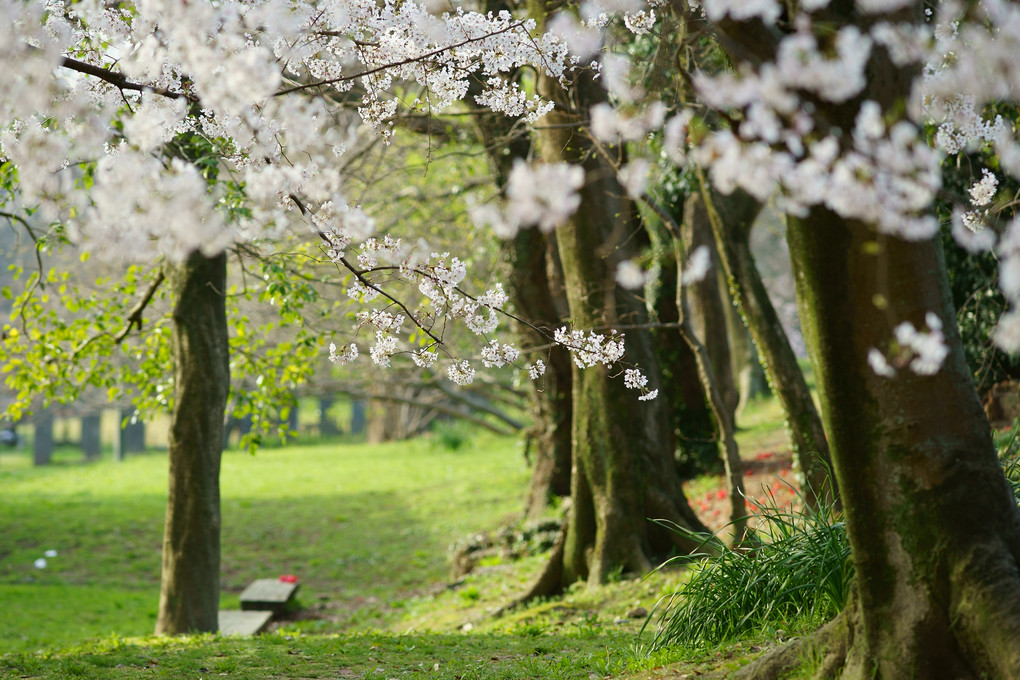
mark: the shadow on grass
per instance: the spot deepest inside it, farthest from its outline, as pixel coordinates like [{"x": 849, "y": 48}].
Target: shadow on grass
[
  {"x": 350, "y": 523},
  {"x": 105, "y": 576}
]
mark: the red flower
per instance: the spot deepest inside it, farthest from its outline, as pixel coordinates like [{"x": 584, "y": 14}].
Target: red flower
[
  {"x": 721, "y": 493},
  {"x": 288, "y": 578}
]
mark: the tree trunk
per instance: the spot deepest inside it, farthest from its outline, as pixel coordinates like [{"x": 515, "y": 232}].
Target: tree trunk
[
  {"x": 731, "y": 219},
  {"x": 748, "y": 375},
  {"x": 531, "y": 294},
  {"x": 726, "y": 431},
  {"x": 91, "y": 441},
  {"x": 706, "y": 300},
  {"x": 933, "y": 525},
  {"x": 42, "y": 443},
  {"x": 551, "y": 398},
  {"x": 697, "y": 448},
  {"x": 189, "y": 593},
  {"x": 623, "y": 469}
]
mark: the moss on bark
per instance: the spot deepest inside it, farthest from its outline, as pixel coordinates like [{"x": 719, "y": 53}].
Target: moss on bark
[{"x": 190, "y": 587}]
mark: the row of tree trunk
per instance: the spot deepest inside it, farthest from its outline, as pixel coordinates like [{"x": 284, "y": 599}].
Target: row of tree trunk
[
  {"x": 934, "y": 528},
  {"x": 621, "y": 453}
]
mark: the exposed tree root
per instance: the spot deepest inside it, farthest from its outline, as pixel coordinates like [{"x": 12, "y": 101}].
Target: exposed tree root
[{"x": 825, "y": 649}]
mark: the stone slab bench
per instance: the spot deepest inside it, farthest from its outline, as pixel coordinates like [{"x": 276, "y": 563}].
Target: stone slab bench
[
  {"x": 236, "y": 622},
  {"x": 268, "y": 594}
]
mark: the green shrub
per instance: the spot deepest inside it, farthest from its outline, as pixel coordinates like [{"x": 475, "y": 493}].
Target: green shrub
[{"x": 451, "y": 434}]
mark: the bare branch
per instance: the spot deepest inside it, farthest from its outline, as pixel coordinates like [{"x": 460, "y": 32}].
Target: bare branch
[{"x": 135, "y": 315}]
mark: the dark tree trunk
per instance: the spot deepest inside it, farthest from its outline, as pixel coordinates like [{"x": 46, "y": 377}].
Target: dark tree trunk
[
  {"x": 726, "y": 431},
  {"x": 528, "y": 261},
  {"x": 189, "y": 593},
  {"x": 706, "y": 301},
  {"x": 551, "y": 399},
  {"x": 933, "y": 524},
  {"x": 731, "y": 219},
  {"x": 696, "y": 443},
  {"x": 623, "y": 469},
  {"x": 748, "y": 375},
  {"x": 130, "y": 435},
  {"x": 91, "y": 442},
  {"x": 42, "y": 443}
]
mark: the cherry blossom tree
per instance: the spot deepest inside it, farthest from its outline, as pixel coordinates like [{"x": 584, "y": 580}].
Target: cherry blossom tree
[
  {"x": 827, "y": 102},
  {"x": 824, "y": 112},
  {"x": 100, "y": 117}
]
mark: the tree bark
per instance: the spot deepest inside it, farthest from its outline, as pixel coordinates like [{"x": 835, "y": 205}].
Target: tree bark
[
  {"x": 734, "y": 467},
  {"x": 551, "y": 399},
  {"x": 189, "y": 592},
  {"x": 697, "y": 448},
  {"x": 932, "y": 522},
  {"x": 731, "y": 218},
  {"x": 623, "y": 469},
  {"x": 531, "y": 292},
  {"x": 706, "y": 301},
  {"x": 748, "y": 375}
]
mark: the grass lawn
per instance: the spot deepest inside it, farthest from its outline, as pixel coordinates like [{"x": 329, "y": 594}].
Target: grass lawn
[
  {"x": 366, "y": 529},
  {"x": 354, "y": 523}
]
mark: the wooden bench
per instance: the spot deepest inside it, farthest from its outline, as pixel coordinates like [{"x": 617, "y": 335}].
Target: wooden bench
[{"x": 260, "y": 602}]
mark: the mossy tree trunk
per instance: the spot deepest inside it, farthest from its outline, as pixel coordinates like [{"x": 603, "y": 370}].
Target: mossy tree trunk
[
  {"x": 706, "y": 302},
  {"x": 551, "y": 396},
  {"x": 693, "y": 427},
  {"x": 528, "y": 257},
  {"x": 748, "y": 373},
  {"x": 623, "y": 471},
  {"x": 933, "y": 525},
  {"x": 190, "y": 588},
  {"x": 731, "y": 219},
  {"x": 725, "y": 429}
]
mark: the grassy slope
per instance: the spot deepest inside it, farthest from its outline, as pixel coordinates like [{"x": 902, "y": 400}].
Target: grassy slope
[{"x": 367, "y": 531}]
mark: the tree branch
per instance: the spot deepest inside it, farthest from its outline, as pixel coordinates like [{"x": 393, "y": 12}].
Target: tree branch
[
  {"x": 135, "y": 315},
  {"x": 134, "y": 318},
  {"x": 435, "y": 406},
  {"x": 119, "y": 80}
]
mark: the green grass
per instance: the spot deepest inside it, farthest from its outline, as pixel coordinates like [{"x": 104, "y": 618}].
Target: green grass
[
  {"x": 799, "y": 575},
  {"x": 372, "y": 655},
  {"x": 354, "y": 523},
  {"x": 366, "y": 529}
]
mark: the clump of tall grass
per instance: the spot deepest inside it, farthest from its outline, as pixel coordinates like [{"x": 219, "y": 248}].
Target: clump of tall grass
[
  {"x": 799, "y": 568},
  {"x": 1008, "y": 447}
]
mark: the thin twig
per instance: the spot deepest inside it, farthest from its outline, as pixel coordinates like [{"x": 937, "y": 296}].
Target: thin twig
[
  {"x": 134, "y": 318},
  {"x": 397, "y": 64},
  {"x": 135, "y": 315}
]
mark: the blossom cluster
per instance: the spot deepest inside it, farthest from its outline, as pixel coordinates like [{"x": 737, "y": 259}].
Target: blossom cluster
[
  {"x": 591, "y": 349},
  {"x": 922, "y": 351},
  {"x": 272, "y": 86},
  {"x": 542, "y": 196}
]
